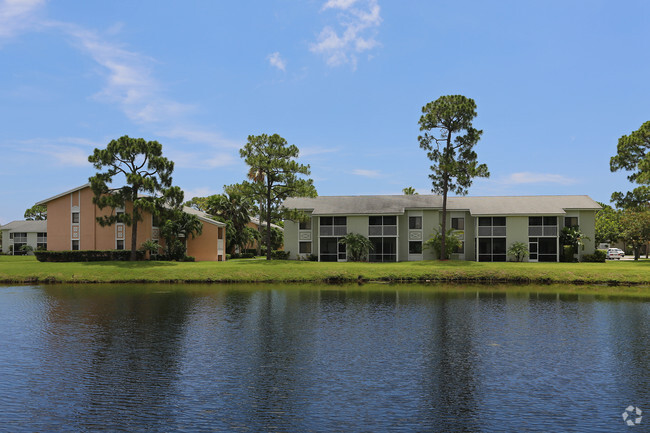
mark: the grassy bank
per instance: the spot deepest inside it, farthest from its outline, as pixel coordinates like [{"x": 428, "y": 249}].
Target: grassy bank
[{"x": 29, "y": 270}]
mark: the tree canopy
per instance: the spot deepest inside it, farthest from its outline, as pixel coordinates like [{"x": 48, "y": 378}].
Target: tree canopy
[
  {"x": 36, "y": 213},
  {"x": 608, "y": 224},
  {"x": 143, "y": 170},
  {"x": 449, "y": 139},
  {"x": 277, "y": 176},
  {"x": 632, "y": 156}
]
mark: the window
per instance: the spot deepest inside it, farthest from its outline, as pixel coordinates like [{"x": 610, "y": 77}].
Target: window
[
  {"x": 492, "y": 249},
  {"x": 415, "y": 247},
  {"x": 20, "y": 240},
  {"x": 333, "y": 226},
  {"x": 384, "y": 249},
  {"x": 305, "y": 225},
  {"x": 542, "y": 226},
  {"x": 75, "y": 217},
  {"x": 41, "y": 241},
  {"x": 571, "y": 222},
  {"x": 331, "y": 250},
  {"x": 458, "y": 223},
  {"x": 119, "y": 245},
  {"x": 75, "y": 245},
  {"x": 383, "y": 225},
  {"x": 305, "y": 247},
  {"x": 543, "y": 249},
  {"x": 415, "y": 223},
  {"x": 492, "y": 226}
]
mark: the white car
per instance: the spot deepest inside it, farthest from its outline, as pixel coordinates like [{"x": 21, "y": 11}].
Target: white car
[{"x": 615, "y": 254}]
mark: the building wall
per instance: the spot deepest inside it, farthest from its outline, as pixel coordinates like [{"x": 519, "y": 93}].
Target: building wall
[
  {"x": 587, "y": 222},
  {"x": 516, "y": 231},
  {"x": 204, "y": 247},
  {"x": 92, "y": 236},
  {"x": 291, "y": 238}
]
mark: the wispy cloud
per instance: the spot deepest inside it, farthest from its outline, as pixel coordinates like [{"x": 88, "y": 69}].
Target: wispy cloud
[
  {"x": 18, "y": 15},
  {"x": 201, "y": 160},
  {"x": 129, "y": 80},
  {"x": 366, "y": 173},
  {"x": 198, "y": 192},
  {"x": 528, "y": 177},
  {"x": 277, "y": 61},
  {"x": 358, "y": 21},
  {"x": 65, "y": 151}
]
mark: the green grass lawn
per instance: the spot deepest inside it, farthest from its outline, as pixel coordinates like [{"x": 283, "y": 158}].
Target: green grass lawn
[{"x": 26, "y": 269}]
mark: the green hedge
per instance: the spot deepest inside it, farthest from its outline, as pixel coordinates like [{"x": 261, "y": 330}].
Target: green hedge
[
  {"x": 85, "y": 256},
  {"x": 598, "y": 256}
]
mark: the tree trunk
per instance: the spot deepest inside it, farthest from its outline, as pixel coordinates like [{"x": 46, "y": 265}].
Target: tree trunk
[
  {"x": 134, "y": 230},
  {"x": 268, "y": 225},
  {"x": 443, "y": 226}
]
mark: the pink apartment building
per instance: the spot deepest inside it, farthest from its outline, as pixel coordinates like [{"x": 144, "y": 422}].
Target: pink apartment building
[{"x": 72, "y": 225}]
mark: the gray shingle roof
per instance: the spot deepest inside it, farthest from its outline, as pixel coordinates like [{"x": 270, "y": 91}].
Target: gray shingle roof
[
  {"x": 397, "y": 204},
  {"x": 26, "y": 226}
]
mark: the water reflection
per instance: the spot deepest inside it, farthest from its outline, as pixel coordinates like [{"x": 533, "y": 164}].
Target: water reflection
[{"x": 304, "y": 358}]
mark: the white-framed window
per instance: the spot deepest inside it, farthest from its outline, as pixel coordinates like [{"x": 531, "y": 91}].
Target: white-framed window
[
  {"x": 305, "y": 225},
  {"x": 415, "y": 223},
  {"x": 119, "y": 244},
  {"x": 415, "y": 247},
  {"x": 542, "y": 226},
  {"x": 75, "y": 245},
  {"x": 458, "y": 223},
  {"x": 304, "y": 247},
  {"x": 75, "y": 217},
  {"x": 41, "y": 241},
  {"x": 571, "y": 221},
  {"x": 20, "y": 240},
  {"x": 333, "y": 226}
]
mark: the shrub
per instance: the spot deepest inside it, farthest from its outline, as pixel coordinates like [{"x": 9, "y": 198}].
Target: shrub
[
  {"x": 597, "y": 257},
  {"x": 85, "y": 255},
  {"x": 567, "y": 254},
  {"x": 280, "y": 255},
  {"x": 228, "y": 256},
  {"x": 518, "y": 250}
]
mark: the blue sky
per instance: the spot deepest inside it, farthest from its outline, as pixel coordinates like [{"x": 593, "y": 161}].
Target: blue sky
[{"x": 556, "y": 84}]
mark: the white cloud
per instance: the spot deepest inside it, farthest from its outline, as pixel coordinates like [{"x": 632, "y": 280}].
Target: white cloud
[
  {"x": 277, "y": 61},
  {"x": 528, "y": 177},
  {"x": 366, "y": 173},
  {"x": 339, "y": 4},
  {"x": 204, "y": 191},
  {"x": 359, "y": 20},
  {"x": 18, "y": 15},
  {"x": 66, "y": 151},
  {"x": 200, "y": 160}
]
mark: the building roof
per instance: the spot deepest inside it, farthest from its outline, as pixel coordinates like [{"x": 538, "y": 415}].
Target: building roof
[
  {"x": 256, "y": 221},
  {"x": 42, "y": 202},
  {"x": 201, "y": 215},
  {"x": 26, "y": 226},
  {"x": 397, "y": 204}
]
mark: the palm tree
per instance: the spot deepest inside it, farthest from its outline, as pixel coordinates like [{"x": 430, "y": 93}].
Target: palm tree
[
  {"x": 409, "y": 190},
  {"x": 358, "y": 246},
  {"x": 234, "y": 207}
]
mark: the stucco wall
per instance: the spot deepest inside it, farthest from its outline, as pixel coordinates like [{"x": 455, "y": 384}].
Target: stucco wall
[{"x": 204, "y": 247}]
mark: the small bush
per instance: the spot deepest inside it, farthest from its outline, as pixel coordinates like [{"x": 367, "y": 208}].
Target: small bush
[
  {"x": 567, "y": 254},
  {"x": 280, "y": 255},
  {"x": 85, "y": 255},
  {"x": 228, "y": 256},
  {"x": 188, "y": 259},
  {"x": 312, "y": 257},
  {"x": 598, "y": 257}
]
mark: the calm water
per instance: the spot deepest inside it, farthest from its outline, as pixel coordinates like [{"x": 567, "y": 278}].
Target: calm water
[{"x": 299, "y": 359}]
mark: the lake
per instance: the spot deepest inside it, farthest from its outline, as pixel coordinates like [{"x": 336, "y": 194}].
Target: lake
[{"x": 303, "y": 358}]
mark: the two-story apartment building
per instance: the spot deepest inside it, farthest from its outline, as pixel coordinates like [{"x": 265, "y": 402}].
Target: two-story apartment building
[
  {"x": 398, "y": 225},
  {"x": 72, "y": 225}
]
